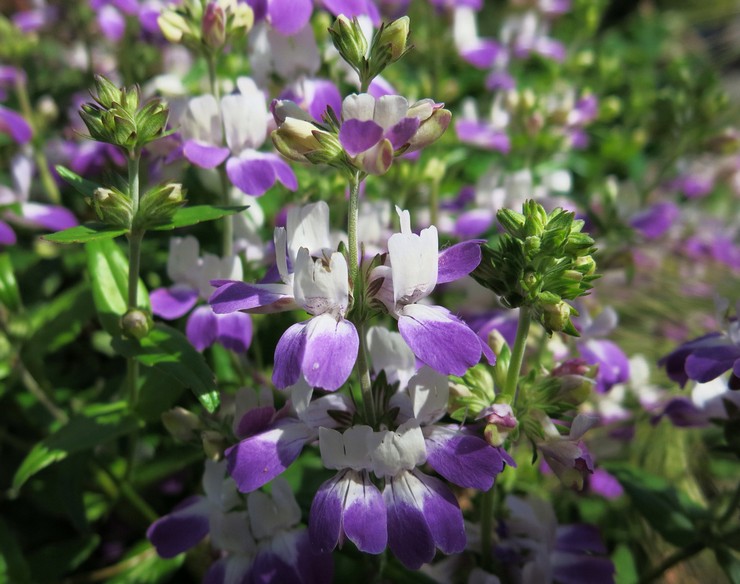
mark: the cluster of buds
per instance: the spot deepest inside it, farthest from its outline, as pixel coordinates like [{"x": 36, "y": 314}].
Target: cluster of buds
[
  {"x": 390, "y": 43},
  {"x": 206, "y": 26},
  {"x": 157, "y": 207},
  {"x": 118, "y": 117},
  {"x": 541, "y": 261}
]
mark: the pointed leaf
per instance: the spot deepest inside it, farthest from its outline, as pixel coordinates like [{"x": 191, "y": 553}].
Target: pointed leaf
[
  {"x": 85, "y": 233},
  {"x": 81, "y": 185},
  {"x": 10, "y": 296},
  {"x": 197, "y": 214}
]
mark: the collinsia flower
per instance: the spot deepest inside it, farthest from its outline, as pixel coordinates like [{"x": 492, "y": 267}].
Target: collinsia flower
[
  {"x": 567, "y": 456},
  {"x": 203, "y": 127},
  {"x": 488, "y": 134},
  {"x": 32, "y": 215},
  {"x": 191, "y": 275},
  {"x": 111, "y": 16},
  {"x": 413, "y": 267},
  {"x": 287, "y": 17},
  {"x": 709, "y": 401}
]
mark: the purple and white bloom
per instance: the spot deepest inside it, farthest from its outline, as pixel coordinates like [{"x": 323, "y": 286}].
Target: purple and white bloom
[
  {"x": 488, "y": 134},
  {"x": 527, "y": 33},
  {"x": 534, "y": 549},
  {"x": 414, "y": 266},
  {"x": 613, "y": 363},
  {"x": 373, "y": 131},
  {"x": 287, "y": 17},
  {"x": 290, "y": 57},
  {"x": 243, "y": 117},
  {"x": 567, "y": 456},
  {"x": 191, "y": 275},
  {"x": 32, "y": 215},
  {"x": 480, "y": 52},
  {"x": 707, "y": 402}
]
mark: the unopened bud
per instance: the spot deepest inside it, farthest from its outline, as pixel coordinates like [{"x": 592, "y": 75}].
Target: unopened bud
[
  {"x": 396, "y": 34},
  {"x": 159, "y": 205},
  {"x": 181, "y": 423},
  {"x": 213, "y": 27},
  {"x": 500, "y": 421},
  {"x": 136, "y": 323},
  {"x": 213, "y": 444},
  {"x": 112, "y": 207},
  {"x": 556, "y": 317},
  {"x": 173, "y": 26},
  {"x": 586, "y": 265},
  {"x": 576, "y": 379},
  {"x": 349, "y": 40},
  {"x": 431, "y": 129}
]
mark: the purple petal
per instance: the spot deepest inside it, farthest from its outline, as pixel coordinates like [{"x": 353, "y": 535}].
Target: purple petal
[
  {"x": 458, "y": 261},
  {"x": 614, "y": 366},
  {"x": 289, "y": 356},
  {"x": 442, "y": 514},
  {"x": 15, "y": 125},
  {"x": 479, "y": 134},
  {"x": 405, "y": 518},
  {"x": 706, "y": 364},
  {"x": 683, "y": 413},
  {"x": 251, "y": 172},
  {"x": 356, "y": 136},
  {"x": 289, "y": 16},
  {"x": 364, "y": 517},
  {"x": 112, "y": 23},
  {"x": 283, "y": 171},
  {"x": 201, "y": 328},
  {"x": 656, "y": 220},
  {"x": 257, "y": 460},
  {"x": 568, "y": 568},
  {"x": 255, "y": 421},
  {"x": 675, "y": 362},
  {"x": 235, "y": 296},
  {"x": 234, "y": 331},
  {"x": 402, "y": 132},
  {"x": 49, "y": 217},
  {"x": 330, "y": 351},
  {"x": 439, "y": 339},
  {"x": 605, "y": 484},
  {"x": 325, "y": 95},
  {"x": 313, "y": 566},
  {"x": 325, "y": 517},
  {"x": 465, "y": 460},
  {"x": 204, "y": 155},
  {"x": 482, "y": 54},
  {"x": 181, "y": 529},
  {"x": 174, "y": 302},
  {"x": 473, "y": 223},
  {"x": 7, "y": 235},
  {"x": 580, "y": 537}
]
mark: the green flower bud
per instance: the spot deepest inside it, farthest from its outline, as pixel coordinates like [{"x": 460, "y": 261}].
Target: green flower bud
[
  {"x": 213, "y": 27},
  {"x": 512, "y": 221},
  {"x": 112, "y": 207},
  {"x": 349, "y": 40},
  {"x": 136, "y": 323},
  {"x": 173, "y": 25},
  {"x": 396, "y": 35},
  {"x": 556, "y": 317},
  {"x": 106, "y": 93},
  {"x": 159, "y": 205}
]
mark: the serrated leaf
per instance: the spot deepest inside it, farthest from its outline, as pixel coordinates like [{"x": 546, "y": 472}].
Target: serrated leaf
[
  {"x": 168, "y": 350},
  {"x": 83, "y": 432},
  {"x": 197, "y": 214},
  {"x": 85, "y": 233},
  {"x": 59, "y": 322},
  {"x": 81, "y": 185},
  {"x": 668, "y": 511},
  {"x": 10, "y": 296},
  {"x": 108, "y": 269}
]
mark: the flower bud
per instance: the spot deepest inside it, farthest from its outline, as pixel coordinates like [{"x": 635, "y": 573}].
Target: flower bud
[
  {"x": 511, "y": 221},
  {"x": 173, "y": 26},
  {"x": 242, "y": 19},
  {"x": 586, "y": 265},
  {"x": 112, "y": 207},
  {"x": 136, "y": 323},
  {"x": 213, "y": 444},
  {"x": 556, "y": 317},
  {"x": 106, "y": 93},
  {"x": 577, "y": 380},
  {"x": 501, "y": 349},
  {"x": 430, "y": 129},
  {"x": 500, "y": 421},
  {"x": 159, "y": 205},
  {"x": 181, "y": 423},
  {"x": 349, "y": 40},
  {"x": 396, "y": 35},
  {"x": 213, "y": 27}
]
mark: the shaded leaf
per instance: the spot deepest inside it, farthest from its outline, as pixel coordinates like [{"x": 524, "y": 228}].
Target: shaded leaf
[
  {"x": 81, "y": 185},
  {"x": 197, "y": 214},
  {"x": 55, "y": 560},
  {"x": 170, "y": 351},
  {"x": 59, "y": 322},
  {"x": 143, "y": 566},
  {"x": 10, "y": 296},
  {"x": 83, "y": 432},
  {"x": 13, "y": 566}
]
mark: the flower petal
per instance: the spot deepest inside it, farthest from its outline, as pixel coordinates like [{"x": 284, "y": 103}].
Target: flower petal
[
  {"x": 330, "y": 351},
  {"x": 289, "y": 355},
  {"x": 204, "y": 155},
  {"x": 181, "y": 529},
  {"x": 235, "y": 296},
  {"x": 289, "y": 16},
  {"x": 234, "y": 331},
  {"x": 251, "y": 172},
  {"x": 364, "y": 517},
  {"x": 173, "y": 302},
  {"x": 357, "y": 136},
  {"x": 201, "y": 328},
  {"x": 458, "y": 261}
]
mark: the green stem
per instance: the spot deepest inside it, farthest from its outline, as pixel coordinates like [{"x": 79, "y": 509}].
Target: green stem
[
  {"x": 486, "y": 526},
  {"x": 363, "y": 371},
  {"x": 354, "y": 197},
  {"x": 42, "y": 164},
  {"x": 517, "y": 354},
  {"x": 35, "y": 389}
]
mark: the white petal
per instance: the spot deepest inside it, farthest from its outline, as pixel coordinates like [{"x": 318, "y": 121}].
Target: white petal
[
  {"x": 183, "y": 263},
  {"x": 389, "y": 110},
  {"x": 429, "y": 392},
  {"x": 308, "y": 227},
  {"x": 414, "y": 264},
  {"x": 270, "y": 514},
  {"x": 319, "y": 288},
  {"x": 358, "y": 107},
  {"x": 245, "y": 121},
  {"x": 202, "y": 120},
  {"x": 392, "y": 452}
]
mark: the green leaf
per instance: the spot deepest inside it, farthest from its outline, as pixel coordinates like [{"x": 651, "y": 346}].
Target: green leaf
[
  {"x": 143, "y": 566},
  {"x": 81, "y": 185},
  {"x": 669, "y": 512},
  {"x": 55, "y": 560},
  {"x": 13, "y": 566},
  {"x": 624, "y": 565},
  {"x": 197, "y": 214},
  {"x": 85, "y": 233},
  {"x": 730, "y": 564},
  {"x": 82, "y": 432},
  {"x": 60, "y": 321},
  {"x": 170, "y": 351},
  {"x": 158, "y": 393},
  {"x": 108, "y": 269},
  {"x": 10, "y": 296}
]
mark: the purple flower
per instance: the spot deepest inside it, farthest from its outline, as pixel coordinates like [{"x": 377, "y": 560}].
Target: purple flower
[
  {"x": 613, "y": 363},
  {"x": 654, "y": 221},
  {"x": 15, "y": 126},
  {"x": 567, "y": 456},
  {"x": 191, "y": 275},
  {"x": 286, "y": 16},
  {"x": 413, "y": 268},
  {"x": 243, "y": 117}
]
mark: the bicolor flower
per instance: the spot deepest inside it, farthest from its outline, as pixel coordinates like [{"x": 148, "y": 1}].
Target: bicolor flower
[
  {"x": 613, "y": 363},
  {"x": 567, "y": 456},
  {"x": 414, "y": 266},
  {"x": 32, "y": 215},
  {"x": 191, "y": 275},
  {"x": 373, "y": 131},
  {"x": 243, "y": 118}
]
